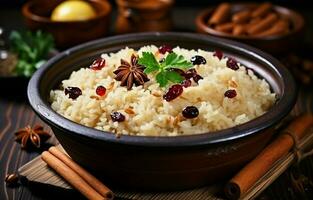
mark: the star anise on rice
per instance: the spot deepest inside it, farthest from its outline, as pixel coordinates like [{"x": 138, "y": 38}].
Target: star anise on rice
[
  {"x": 31, "y": 136},
  {"x": 130, "y": 73}
]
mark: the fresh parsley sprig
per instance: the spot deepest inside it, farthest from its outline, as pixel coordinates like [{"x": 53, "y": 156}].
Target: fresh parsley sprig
[
  {"x": 32, "y": 49},
  {"x": 164, "y": 72}
]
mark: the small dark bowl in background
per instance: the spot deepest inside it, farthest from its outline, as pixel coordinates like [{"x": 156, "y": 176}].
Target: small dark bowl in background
[
  {"x": 37, "y": 16},
  {"x": 272, "y": 44},
  {"x": 162, "y": 163}
]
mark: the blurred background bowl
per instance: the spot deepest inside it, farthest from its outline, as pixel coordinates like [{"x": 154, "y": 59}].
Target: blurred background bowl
[
  {"x": 277, "y": 44},
  {"x": 37, "y": 16}
]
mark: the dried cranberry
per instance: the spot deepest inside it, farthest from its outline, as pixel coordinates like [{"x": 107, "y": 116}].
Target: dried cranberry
[
  {"x": 197, "y": 77},
  {"x": 249, "y": 69},
  {"x": 186, "y": 83},
  {"x": 117, "y": 117},
  {"x": 98, "y": 64},
  {"x": 179, "y": 71},
  {"x": 101, "y": 90},
  {"x": 190, "y": 112},
  {"x": 190, "y": 73},
  {"x": 73, "y": 92},
  {"x": 232, "y": 64},
  {"x": 165, "y": 48},
  {"x": 173, "y": 92},
  {"x": 230, "y": 94},
  {"x": 198, "y": 60},
  {"x": 218, "y": 54}
]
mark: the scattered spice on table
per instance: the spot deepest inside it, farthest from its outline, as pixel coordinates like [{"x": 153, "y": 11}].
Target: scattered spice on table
[
  {"x": 28, "y": 136},
  {"x": 12, "y": 180}
]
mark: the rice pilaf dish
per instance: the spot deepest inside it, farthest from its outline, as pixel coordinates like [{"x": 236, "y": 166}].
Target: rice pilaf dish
[{"x": 162, "y": 92}]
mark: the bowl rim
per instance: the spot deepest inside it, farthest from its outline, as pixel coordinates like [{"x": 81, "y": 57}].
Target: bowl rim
[
  {"x": 268, "y": 119},
  {"x": 201, "y": 25},
  {"x": 26, "y": 11}
]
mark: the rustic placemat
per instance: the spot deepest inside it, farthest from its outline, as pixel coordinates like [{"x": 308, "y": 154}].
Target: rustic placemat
[{"x": 38, "y": 171}]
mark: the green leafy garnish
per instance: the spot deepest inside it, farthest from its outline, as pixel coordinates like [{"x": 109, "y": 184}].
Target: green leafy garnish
[
  {"x": 31, "y": 49},
  {"x": 164, "y": 71}
]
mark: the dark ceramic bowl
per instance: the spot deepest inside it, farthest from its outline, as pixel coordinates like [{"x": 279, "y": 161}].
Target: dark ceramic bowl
[
  {"x": 272, "y": 44},
  {"x": 37, "y": 16},
  {"x": 162, "y": 163}
]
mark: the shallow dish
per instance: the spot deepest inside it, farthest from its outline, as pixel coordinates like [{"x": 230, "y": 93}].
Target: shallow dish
[
  {"x": 164, "y": 163},
  {"x": 272, "y": 44}
]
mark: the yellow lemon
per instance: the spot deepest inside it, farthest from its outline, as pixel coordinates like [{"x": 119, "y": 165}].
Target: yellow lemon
[{"x": 75, "y": 10}]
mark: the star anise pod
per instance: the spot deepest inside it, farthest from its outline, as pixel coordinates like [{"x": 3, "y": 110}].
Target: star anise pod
[
  {"x": 130, "y": 73},
  {"x": 31, "y": 136}
]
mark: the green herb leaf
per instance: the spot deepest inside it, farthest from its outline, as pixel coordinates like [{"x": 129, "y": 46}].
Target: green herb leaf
[
  {"x": 165, "y": 74},
  {"x": 175, "y": 61},
  {"x": 162, "y": 79},
  {"x": 31, "y": 48},
  {"x": 174, "y": 77},
  {"x": 149, "y": 61}
]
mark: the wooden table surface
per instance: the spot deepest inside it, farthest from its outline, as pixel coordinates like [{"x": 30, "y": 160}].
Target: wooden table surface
[{"x": 16, "y": 113}]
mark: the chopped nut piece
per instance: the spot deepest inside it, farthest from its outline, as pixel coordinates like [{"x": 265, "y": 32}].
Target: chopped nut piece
[
  {"x": 110, "y": 87},
  {"x": 156, "y": 93},
  {"x": 94, "y": 97},
  {"x": 129, "y": 111},
  {"x": 232, "y": 83}
]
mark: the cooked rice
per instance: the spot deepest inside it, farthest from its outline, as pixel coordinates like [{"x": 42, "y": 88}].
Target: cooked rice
[{"x": 147, "y": 114}]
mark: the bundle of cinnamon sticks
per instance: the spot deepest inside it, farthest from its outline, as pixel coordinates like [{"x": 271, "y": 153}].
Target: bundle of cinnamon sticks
[
  {"x": 75, "y": 175},
  {"x": 260, "y": 21}
]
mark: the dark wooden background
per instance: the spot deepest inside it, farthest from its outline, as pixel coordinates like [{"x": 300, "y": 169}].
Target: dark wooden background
[{"x": 16, "y": 113}]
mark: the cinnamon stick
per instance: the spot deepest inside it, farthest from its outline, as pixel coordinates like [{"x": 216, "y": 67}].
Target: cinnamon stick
[
  {"x": 239, "y": 29},
  {"x": 227, "y": 27},
  {"x": 241, "y": 17},
  {"x": 90, "y": 179},
  {"x": 263, "y": 24},
  {"x": 220, "y": 14},
  {"x": 71, "y": 176},
  {"x": 253, "y": 171},
  {"x": 262, "y": 10},
  {"x": 280, "y": 27}
]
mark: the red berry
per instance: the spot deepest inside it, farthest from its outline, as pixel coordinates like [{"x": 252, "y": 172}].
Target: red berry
[
  {"x": 192, "y": 73},
  {"x": 173, "y": 92},
  {"x": 179, "y": 71},
  {"x": 98, "y": 64},
  {"x": 190, "y": 112},
  {"x": 186, "y": 83},
  {"x": 101, "y": 90},
  {"x": 218, "y": 54},
  {"x": 73, "y": 92},
  {"x": 165, "y": 48},
  {"x": 232, "y": 64},
  {"x": 230, "y": 94},
  {"x": 117, "y": 117},
  {"x": 197, "y": 77}
]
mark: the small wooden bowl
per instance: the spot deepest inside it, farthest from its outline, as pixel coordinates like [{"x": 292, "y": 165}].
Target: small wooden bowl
[
  {"x": 37, "y": 16},
  {"x": 273, "y": 44}
]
